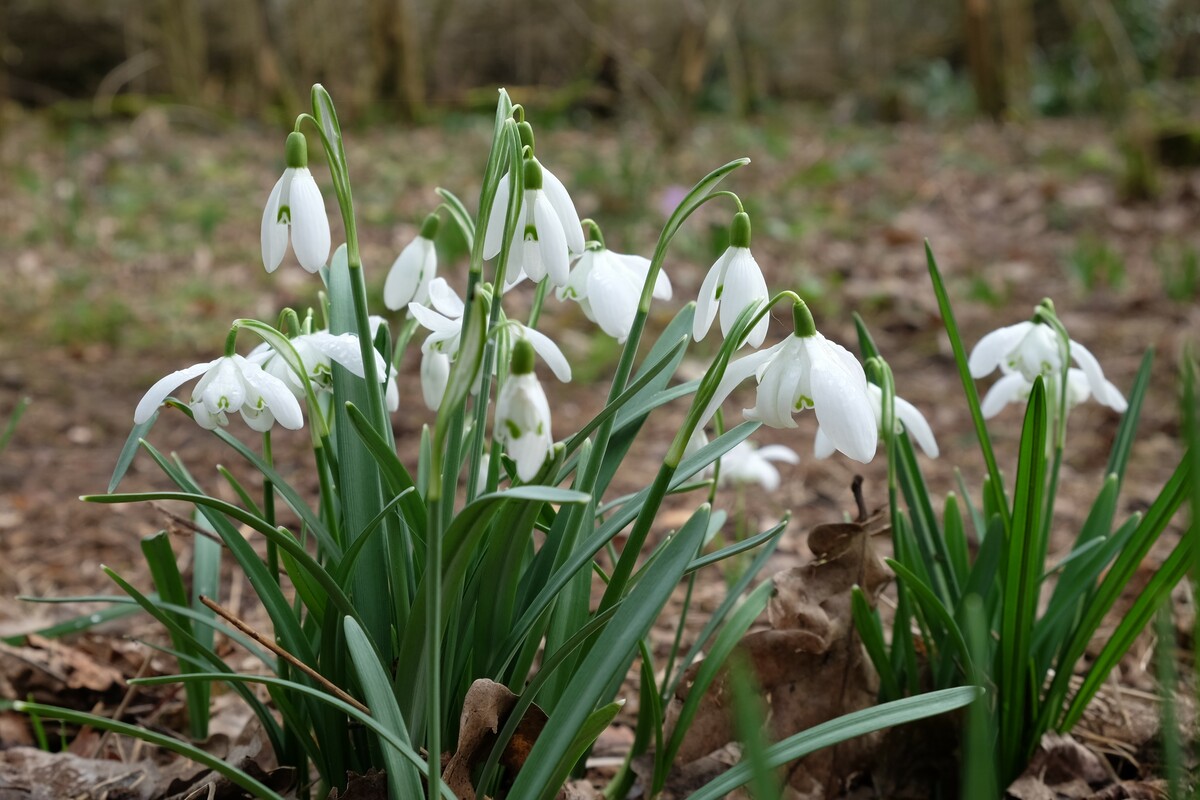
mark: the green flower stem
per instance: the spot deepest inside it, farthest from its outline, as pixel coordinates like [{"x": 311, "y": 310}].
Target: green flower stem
[
  {"x": 539, "y": 299},
  {"x": 507, "y": 142},
  {"x": 268, "y": 507},
  {"x": 329, "y": 514}
]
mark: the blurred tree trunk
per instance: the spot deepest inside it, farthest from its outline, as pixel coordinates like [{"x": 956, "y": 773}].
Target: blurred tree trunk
[
  {"x": 183, "y": 48},
  {"x": 396, "y": 62},
  {"x": 1016, "y": 35},
  {"x": 981, "y": 57}
]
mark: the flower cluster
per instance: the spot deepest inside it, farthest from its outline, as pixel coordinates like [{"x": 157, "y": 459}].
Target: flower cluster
[{"x": 547, "y": 242}]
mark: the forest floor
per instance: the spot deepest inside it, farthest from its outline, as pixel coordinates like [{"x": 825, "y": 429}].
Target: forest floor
[{"x": 128, "y": 247}]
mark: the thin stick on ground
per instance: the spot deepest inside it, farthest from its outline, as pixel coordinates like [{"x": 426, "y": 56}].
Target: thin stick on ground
[{"x": 270, "y": 644}]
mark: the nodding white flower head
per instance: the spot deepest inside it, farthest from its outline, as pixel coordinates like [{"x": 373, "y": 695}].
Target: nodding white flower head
[
  {"x": 444, "y": 321},
  {"x": 746, "y": 463},
  {"x": 523, "y": 415},
  {"x": 317, "y": 352},
  {"x": 547, "y": 233},
  {"x": 608, "y": 286},
  {"x": 907, "y": 418},
  {"x": 413, "y": 270},
  {"x": 1033, "y": 348},
  {"x": 296, "y": 204},
  {"x": 732, "y": 283},
  {"x": 1012, "y": 387},
  {"x": 230, "y": 383},
  {"x": 806, "y": 370}
]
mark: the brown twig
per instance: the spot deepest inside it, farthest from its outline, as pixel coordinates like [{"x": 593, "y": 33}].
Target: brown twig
[
  {"x": 185, "y": 523},
  {"x": 233, "y": 620}
]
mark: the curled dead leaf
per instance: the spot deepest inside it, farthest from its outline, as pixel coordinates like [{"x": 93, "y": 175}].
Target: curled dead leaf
[{"x": 485, "y": 710}]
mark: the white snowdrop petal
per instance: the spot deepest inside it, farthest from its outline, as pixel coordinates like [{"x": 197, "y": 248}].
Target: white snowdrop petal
[
  {"x": 822, "y": 444},
  {"x": 706, "y": 300},
  {"x": 222, "y": 389},
  {"x": 344, "y": 349},
  {"x": 1012, "y": 388},
  {"x": 779, "y": 452},
  {"x": 992, "y": 350},
  {"x": 564, "y": 209},
  {"x": 432, "y": 320},
  {"x": 551, "y": 241},
  {"x": 204, "y": 418},
  {"x": 1103, "y": 389},
  {"x": 917, "y": 426},
  {"x": 494, "y": 237},
  {"x": 444, "y": 299},
  {"x": 274, "y": 236},
  {"x": 744, "y": 284},
  {"x": 613, "y": 293},
  {"x": 163, "y": 387},
  {"x": 435, "y": 374},
  {"x": 844, "y": 411},
  {"x": 257, "y": 420},
  {"x": 735, "y": 373},
  {"x": 412, "y": 269},
  {"x": 275, "y": 394},
  {"x": 310, "y": 224},
  {"x": 777, "y": 393},
  {"x": 545, "y": 347}
]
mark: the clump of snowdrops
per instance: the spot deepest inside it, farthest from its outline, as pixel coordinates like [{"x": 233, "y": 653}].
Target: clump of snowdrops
[{"x": 402, "y": 585}]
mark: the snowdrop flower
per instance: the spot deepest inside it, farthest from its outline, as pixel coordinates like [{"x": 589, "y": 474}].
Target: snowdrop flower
[
  {"x": 806, "y": 370},
  {"x": 440, "y": 348},
  {"x": 295, "y": 203},
  {"x": 1030, "y": 349},
  {"x": 745, "y": 463},
  {"x": 907, "y": 417},
  {"x": 230, "y": 383},
  {"x": 413, "y": 270},
  {"x": 317, "y": 352},
  {"x": 732, "y": 283},
  {"x": 547, "y": 230},
  {"x": 523, "y": 415},
  {"x": 1014, "y": 388},
  {"x": 608, "y": 286}
]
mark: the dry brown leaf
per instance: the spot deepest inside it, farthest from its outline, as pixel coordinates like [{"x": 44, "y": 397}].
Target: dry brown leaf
[
  {"x": 27, "y": 773},
  {"x": 810, "y": 663},
  {"x": 54, "y": 672},
  {"x": 485, "y": 710},
  {"x": 1062, "y": 768},
  {"x": 372, "y": 786}
]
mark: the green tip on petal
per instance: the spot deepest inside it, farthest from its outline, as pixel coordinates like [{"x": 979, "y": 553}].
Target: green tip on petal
[
  {"x": 533, "y": 175},
  {"x": 592, "y": 231},
  {"x": 802, "y": 321},
  {"x": 739, "y": 231},
  {"x": 525, "y": 131},
  {"x": 296, "y": 150},
  {"x": 522, "y": 357},
  {"x": 429, "y": 227}
]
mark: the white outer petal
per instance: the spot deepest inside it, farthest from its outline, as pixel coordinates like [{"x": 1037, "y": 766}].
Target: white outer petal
[
  {"x": 551, "y": 240},
  {"x": 779, "y": 452},
  {"x": 743, "y": 284},
  {"x": 917, "y": 426},
  {"x": 735, "y": 373},
  {"x": 435, "y": 374},
  {"x": 545, "y": 347},
  {"x": 163, "y": 387},
  {"x": 408, "y": 279},
  {"x": 344, "y": 349},
  {"x": 706, "y": 300},
  {"x": 992, "y": 350},
  {"x": 274, "y": 235},
  {"x": 576, "y": 286},
  {"x": 1102, "y": 389},
  {"x": 310, "y": 224},
  {"x": 428, "y": 318},
  {"x": 275, "y": 394},
  {"x": 843, "y": 408},
  {"x": 494, "y": 235},
  {"x": 778, "y": 389},
  {"x": 444, "y": 299},
  {"x": 1012, "y": 388},
  {"x": 822, "y": 445},
  {"x": 564, "y": 209},
  {"x": 613, "y": 293}
]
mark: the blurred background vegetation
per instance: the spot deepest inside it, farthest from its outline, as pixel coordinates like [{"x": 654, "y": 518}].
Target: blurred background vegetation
[{"x": 876, "y": 59}]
